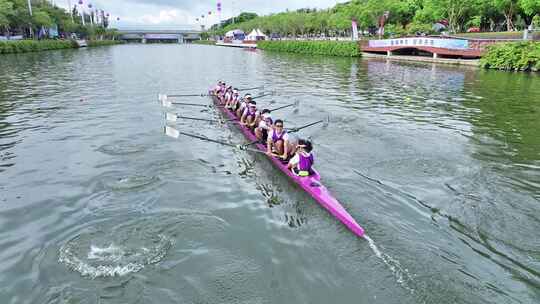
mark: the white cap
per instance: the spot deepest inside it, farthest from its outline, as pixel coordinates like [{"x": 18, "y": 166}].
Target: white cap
[{"x": 266, "y": 115}]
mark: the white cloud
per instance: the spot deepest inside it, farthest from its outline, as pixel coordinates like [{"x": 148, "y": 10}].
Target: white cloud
[
  {"x": 164, "y": 17},
  {"x": 175, "y": 12}
]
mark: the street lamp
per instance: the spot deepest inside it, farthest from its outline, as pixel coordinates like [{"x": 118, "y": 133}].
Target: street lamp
[{"x": 70, "y": 10}]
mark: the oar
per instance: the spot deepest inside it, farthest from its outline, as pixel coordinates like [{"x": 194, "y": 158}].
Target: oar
[
  {"x": 188, "y": 95},
  {"x": 190, "y": 104},
  {"x": 325, "y": 123},
  {"x": 172, "y": 132},
  {"x": 255, "y": 88},
  {"x": 174, "y": 117},
  {"x": 165, "y": 96},
  {"x": 294, "y": 104},
  {"x": 264, "y": 95},
  {"x": 169, "y": 104}
]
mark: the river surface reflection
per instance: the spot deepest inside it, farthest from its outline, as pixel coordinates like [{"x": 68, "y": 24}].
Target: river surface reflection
[{"x": 440, "y": 165}]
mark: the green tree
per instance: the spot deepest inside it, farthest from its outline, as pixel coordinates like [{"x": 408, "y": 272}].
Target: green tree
[
  {"x": 6, "y": 9},
  {"x": 41, "y": 18},
  {"x": 530, "y": 8},
  {"x": 509, "y": 9}
]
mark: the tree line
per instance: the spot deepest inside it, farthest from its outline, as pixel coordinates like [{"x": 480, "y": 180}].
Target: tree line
[
  {"x": 15, "y": 19},
  {"x": 404, "y": 17}
]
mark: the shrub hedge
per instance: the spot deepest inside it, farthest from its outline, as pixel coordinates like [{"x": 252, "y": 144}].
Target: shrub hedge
[
  {"x": 519, "y": 56},
  {"x": 329, "y": 48},
  {"x": 24, "y": 46}
]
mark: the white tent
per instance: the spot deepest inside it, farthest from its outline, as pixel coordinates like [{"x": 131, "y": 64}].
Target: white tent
[
  {"x": 261, "y": 34},
  {"x": 255, "y": 35},
  {"x": 252, "y": 35}
]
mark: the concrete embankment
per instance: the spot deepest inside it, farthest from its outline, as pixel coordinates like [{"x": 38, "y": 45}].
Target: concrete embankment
[{"x": 467, "y": 62}]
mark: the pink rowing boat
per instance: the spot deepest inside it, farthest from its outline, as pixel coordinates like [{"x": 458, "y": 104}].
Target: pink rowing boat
[{"x": 311, "y": 184}]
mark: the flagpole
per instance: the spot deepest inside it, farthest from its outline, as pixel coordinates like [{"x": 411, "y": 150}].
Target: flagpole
[{"x": 70, "y": 10}]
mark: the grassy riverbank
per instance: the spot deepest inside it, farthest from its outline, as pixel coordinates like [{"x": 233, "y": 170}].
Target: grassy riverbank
[
  {"x": 25, "y": 46},
  {"x": 205, "y": 42},
  {"x": 518, "y": 56},
  {"x": 329, "y": 48}
]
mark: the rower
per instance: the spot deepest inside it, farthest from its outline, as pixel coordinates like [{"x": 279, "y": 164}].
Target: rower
[
  {"x": 277, "y": 143},
  {"x": 250, "y": 115},
  {"x": 302, "y": 161},
  {"x": 242, "y": 105},
  {"x": 227, "y": 95},
  {"x": 231, "y": 103},
  {"x": 221, "y": 91},
  {"x": 264, "y": 126},
  {"x": 216, "y": 89}
]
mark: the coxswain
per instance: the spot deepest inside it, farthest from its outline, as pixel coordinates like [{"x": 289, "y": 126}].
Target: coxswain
[
  {"x": 302, "y": 161},
  {"x": 264, "y": 125},
  {"x": 250, "y": 115},
  {"x": 277, "y": 143}
]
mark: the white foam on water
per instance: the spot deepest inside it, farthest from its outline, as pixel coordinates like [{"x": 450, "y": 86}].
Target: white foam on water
[
  {"x": 402, "y": 274},
  {"x": 112, "y": 260},
  {"x": 111, "y": 253}
]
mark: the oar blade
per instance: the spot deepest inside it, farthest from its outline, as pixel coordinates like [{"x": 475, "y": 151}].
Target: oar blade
[
  {"x": 171, "y": 117},
  {"x": 166, "y": 103},
  {"x": 296, "y": 108},
  {"x": 326, "y": 122},
  {"x": 172, "y": 132}
]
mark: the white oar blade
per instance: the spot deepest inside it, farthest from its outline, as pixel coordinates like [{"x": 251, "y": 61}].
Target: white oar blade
[
  {"x": 166, "y": 103},
  {"x": 171, "y": 132},
  {"x": 171, "y": 117},
  {"x": 159, "y": 97}
]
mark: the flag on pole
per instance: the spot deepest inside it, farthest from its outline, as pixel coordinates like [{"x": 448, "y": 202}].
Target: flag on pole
[{"x": 354, "y": 25}]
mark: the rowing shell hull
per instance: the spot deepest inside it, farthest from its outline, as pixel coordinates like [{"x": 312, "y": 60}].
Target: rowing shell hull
[{"x": 311, "y": 184}]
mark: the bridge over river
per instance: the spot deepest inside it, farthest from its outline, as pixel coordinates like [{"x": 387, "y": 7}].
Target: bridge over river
[{"x": 146, "y": 33}]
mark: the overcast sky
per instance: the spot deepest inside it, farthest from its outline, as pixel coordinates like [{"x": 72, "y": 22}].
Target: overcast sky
[{"x": 185, "y": 12}]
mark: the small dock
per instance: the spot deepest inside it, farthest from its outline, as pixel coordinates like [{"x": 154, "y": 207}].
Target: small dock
[{"x": 237, "y": 45}]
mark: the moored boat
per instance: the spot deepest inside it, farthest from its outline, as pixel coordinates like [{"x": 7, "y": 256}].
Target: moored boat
[{"x": 311, "y": 184}]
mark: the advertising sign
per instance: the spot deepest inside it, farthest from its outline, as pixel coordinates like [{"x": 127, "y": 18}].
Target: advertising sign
[{"x": 456, "y": 44}]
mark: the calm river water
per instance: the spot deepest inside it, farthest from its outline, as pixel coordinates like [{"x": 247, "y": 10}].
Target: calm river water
[{"x": 440, "y": 165}]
